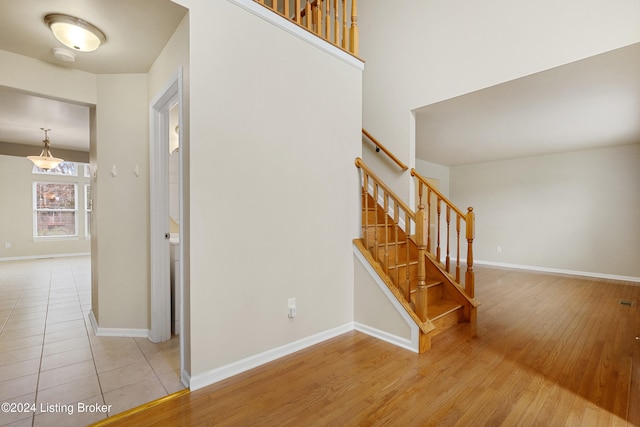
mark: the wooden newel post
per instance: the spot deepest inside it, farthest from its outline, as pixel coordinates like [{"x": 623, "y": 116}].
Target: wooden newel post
[
  {"x": 470, "y": 275},
  {"x": 354, "y": 39},
  {"x": 421, "y": 291}
]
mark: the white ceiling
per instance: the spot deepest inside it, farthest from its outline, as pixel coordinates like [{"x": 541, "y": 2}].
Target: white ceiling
[
  {"x": 136, "y": 32},
  {"x": 586, "y": 104}
]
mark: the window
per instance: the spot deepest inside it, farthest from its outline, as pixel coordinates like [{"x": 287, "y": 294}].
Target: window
[
  {"x": 87, "y": 210},
  {"x": 64, "y": 168},
  {"x": 54, "y": 209}
]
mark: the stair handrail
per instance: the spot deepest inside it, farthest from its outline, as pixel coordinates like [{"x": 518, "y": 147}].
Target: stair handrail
[
  {"x": 361, "y": 165},
  {"x": 384, "y": 149},
  {"x": 327, "y": 19},
  {"x": 467, "y": 218}
]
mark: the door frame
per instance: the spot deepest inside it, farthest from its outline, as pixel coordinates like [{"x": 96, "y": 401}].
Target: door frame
[{"x": 165, "y": 99}]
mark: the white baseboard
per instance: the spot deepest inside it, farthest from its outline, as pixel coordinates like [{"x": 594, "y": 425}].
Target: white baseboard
[
  {"x": 44, "y": 256},
  {"x": 385, "y": 336},
  {"x": 215, "y": 375},
  {"x": 185, "y": 378},
  {"x": 558, "y": 271},
  {"x": 116, "y": 332}
]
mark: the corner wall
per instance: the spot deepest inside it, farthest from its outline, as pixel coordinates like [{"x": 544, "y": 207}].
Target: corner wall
[{"x": 574, "y": 211}]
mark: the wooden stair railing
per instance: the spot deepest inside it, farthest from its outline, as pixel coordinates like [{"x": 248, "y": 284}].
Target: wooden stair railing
[
  {"x": 385, "y": 150},
  {"x": 326, "y": 18},
  {"x": 395, "y": 241},
  {"x": 462, "y": 220}
]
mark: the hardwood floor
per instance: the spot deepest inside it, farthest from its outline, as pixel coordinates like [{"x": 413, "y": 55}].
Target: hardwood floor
[{"x": 548, "y": 350}]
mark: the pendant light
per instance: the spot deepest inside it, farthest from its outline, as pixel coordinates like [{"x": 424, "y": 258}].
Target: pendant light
[{"x": 45, "y": 160}]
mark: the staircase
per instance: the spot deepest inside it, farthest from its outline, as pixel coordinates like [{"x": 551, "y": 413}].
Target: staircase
[{"x": 409, "y": 262}]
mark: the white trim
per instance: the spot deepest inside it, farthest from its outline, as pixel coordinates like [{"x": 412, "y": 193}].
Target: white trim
[
  {"x": 290, "y": 27},
  {"x": 557, "y": 271},
  {"x": 185, "y": 378},
  {"x": 385, "y": 336},
  {"x": 116, "y": 332},
  {"x": 414, "y": 343},
  {"x": 162, "y": 102},
  {"x": 43, "y": 256},
  {"x": 213, "y": 376}
]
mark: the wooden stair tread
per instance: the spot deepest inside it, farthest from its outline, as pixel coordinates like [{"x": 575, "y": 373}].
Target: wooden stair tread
[{"x": 441, "y": 307}]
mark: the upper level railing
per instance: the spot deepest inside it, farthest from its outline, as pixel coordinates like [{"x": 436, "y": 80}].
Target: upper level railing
[
  {"x": 325, "y": 18},
  {"x": 385, "y": 150}
]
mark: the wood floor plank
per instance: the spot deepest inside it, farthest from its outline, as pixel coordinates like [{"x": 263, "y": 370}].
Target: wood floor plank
[{"x": 547, "y": 350}]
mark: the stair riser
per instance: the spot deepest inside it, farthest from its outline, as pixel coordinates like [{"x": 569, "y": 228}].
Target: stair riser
[{"x": 447, "y": 321}]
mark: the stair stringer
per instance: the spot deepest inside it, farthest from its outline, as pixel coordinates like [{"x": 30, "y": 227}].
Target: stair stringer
[{"x": 420, "y": 339}]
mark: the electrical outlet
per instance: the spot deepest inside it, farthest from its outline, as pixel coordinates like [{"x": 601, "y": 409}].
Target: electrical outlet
[
  {"x": 499, "y": 249},
  {"x": 7, "y": 245}
]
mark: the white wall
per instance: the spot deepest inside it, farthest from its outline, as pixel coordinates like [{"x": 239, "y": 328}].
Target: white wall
[
  {"x": 435, "y": 171},
  {"x": 32, "y": 75},
  {"x": 121, "y": 203},
  {"x": 421, "y": 52},
  {"x": 573, "y": 211},
  {"x": 16, "y": 212},
  {"x": 275, "y": 127}
]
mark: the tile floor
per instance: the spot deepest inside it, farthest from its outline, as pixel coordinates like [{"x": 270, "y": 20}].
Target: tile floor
[{"x": 53, "y": 367}]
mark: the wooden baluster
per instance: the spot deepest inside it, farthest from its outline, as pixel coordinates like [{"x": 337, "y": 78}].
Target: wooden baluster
[
  {"x": 438, "y": 199},
  {"x": 336, "y": 24},
  {"x": 286, "y": 9},
  {"x": 296, "y": 4},
  {"x": 308, "y": 16},
  {"x": 421, "y": 291},
  {"x": 261, "y": 1},
  {"x": 407, "y": 286},
  {"x": 386, "y": 233},
  {"x": 469, "y": 284},
  {"x": 447, "y": 259},
  {"x": 318, "y": 16},
  {"x": 327, "y": 22},
  {"x": 344, "y": 24},
  {"x": 375, "y": 222},
  {"x": 274, "y": 5},
  {"x": 428, "y": 219},
  {"x": 396, "y": 221},
  {"x": 354, "y": 36},
  {"x": 365, "y": 194},
  {"x": 458, "y": 248}
]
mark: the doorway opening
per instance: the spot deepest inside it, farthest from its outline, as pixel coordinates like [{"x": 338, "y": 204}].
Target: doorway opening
[{"x": 166, "y": 207}]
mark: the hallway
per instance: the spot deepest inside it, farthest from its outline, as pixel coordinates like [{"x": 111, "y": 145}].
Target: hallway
[{"x": 51, "y": 360}]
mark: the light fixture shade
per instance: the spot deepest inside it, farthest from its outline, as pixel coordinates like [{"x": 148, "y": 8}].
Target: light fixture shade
[
  {"x": 75, "y": 33},
  {"x": 45, "y": 160}
]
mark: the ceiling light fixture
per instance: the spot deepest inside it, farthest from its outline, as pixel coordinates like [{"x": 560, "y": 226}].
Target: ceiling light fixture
[
  {"x": 45, "y": 160},
  {"x": 74, "y": 32}
]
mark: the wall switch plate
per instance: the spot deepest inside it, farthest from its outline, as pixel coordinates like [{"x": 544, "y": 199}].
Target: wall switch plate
[
  {"x": 7, "y": 245},
  {"x": 291, "y": 304}
]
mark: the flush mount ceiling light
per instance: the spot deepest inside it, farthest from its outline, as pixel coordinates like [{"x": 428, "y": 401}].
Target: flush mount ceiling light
[
  {"x": 45, "y": 160},
  {"x": 75, "y": 33}
]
